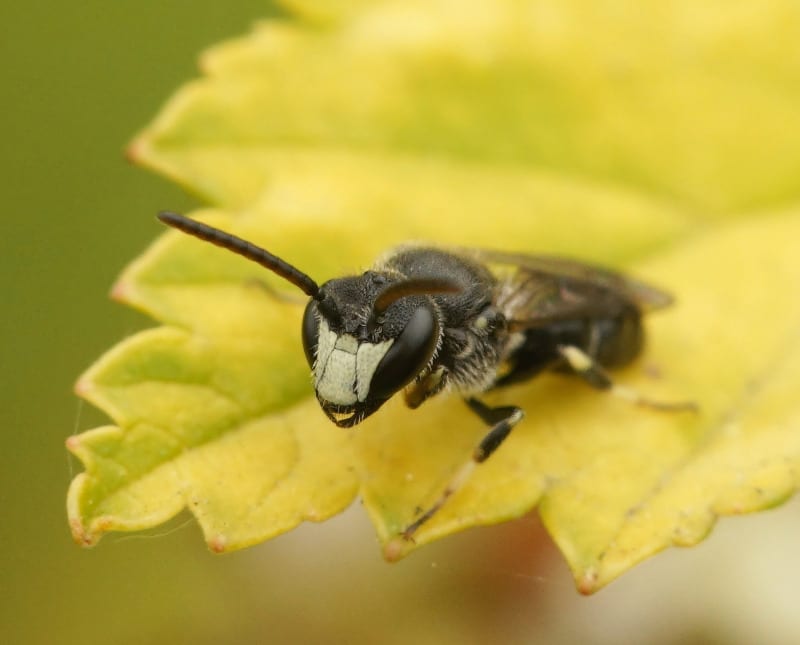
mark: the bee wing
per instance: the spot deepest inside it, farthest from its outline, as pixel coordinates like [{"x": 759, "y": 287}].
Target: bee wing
[
  {"x": 542, "y": 289},
  {"x": 645, "y": 296}
]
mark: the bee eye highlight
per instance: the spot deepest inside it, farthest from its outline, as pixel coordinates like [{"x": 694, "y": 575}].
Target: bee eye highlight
[
  {"x": 407, "y": 356},
  {"x": 310, "y": 332}
]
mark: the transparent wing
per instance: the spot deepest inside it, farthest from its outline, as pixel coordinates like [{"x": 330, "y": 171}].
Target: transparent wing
[
  {"x": 647, "y": 297},
  {"x": 539, "y": 289}
]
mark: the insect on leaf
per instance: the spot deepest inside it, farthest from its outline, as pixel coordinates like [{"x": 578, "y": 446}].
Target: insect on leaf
[{"x": 330, "y": 137}]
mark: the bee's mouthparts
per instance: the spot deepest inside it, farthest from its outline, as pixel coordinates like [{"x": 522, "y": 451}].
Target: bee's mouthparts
[{"x": 344, "y": 416}]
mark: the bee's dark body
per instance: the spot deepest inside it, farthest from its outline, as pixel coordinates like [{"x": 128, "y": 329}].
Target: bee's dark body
[
  {"x": 612, "y": 342},
  {"x": 479, "y": 357},
  {"x": 466, "y": 351},
  {"x": 423, "y": 319}
]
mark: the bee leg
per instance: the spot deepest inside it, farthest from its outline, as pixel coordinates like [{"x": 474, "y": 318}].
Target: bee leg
[
  {"x": 430, "y": 384},
  {"x": 587, "y": 368},
  {"x": 502, "y": 420}
]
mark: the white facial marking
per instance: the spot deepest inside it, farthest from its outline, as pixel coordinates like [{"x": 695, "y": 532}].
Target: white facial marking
[
  {"x": 325, "y": 344},
  {"x": 344, "y": 368},
  {"x": 335, "y": 367},
  {"x": 347, "y": 343},
  {"x": 367, "y": 359}
]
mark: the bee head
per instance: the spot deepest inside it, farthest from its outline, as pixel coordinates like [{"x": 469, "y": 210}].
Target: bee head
[{"x": 367, "y": 337}]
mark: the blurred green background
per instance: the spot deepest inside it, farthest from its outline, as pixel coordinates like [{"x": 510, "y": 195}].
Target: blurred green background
[{"x": 78, "y": 81}]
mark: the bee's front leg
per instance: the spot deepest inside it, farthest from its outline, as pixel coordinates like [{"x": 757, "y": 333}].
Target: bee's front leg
[
  {"x": 502, "y": 421},
  {"x": 430, "y": 384}
]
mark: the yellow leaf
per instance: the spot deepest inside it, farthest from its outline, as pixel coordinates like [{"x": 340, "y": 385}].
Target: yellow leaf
[{"x": 627, "y": 138}]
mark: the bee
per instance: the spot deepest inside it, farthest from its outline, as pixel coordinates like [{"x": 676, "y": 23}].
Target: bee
[{"x": 425, "y": 320}]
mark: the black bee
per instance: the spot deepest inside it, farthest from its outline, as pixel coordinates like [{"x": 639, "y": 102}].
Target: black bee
[{"x": 425, "y": 319}]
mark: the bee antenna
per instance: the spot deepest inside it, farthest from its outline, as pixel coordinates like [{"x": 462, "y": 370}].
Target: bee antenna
[
  {"x": 412, "y": 287},
  {"x": 243, "y": 248}
]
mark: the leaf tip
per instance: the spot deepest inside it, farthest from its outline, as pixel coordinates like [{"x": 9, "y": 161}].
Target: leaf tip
[
  {"x": 83, "y": 535},
  {"x": 218, "y": 543},
  {"x": 204, "y": 62},
  {"x": 135, "y": 151},
  {"x": 73, "y": 442},
  {"x": 396, "y": 549},
  {"x": 83, "y": 388},
  {"x": 587, "y": 583},
  {"x": 79, "y": 533},
  {"x": 121, "y": 291}
]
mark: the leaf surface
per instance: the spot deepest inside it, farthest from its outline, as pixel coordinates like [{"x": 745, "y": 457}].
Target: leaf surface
[{"x": 567, "y": 128}]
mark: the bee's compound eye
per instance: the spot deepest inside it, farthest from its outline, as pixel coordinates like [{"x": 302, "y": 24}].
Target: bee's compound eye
[
  {"x": 407, "y": 356},
  {"x": 310, "y": 332}
]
